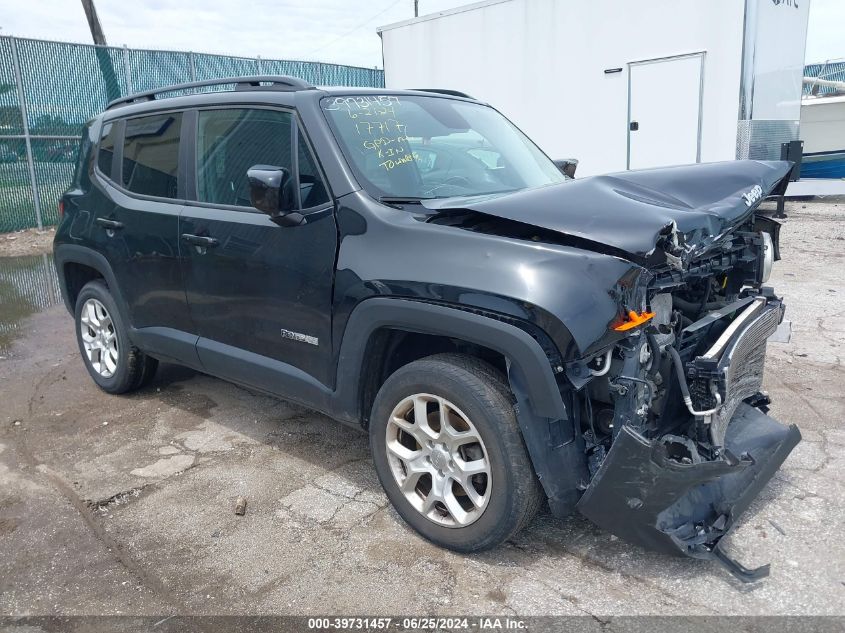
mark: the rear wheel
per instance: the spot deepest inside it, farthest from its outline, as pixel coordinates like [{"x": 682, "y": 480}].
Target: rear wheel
[
  {"x": 110, "y": 358},
  {"x": 449, "y": 453}
]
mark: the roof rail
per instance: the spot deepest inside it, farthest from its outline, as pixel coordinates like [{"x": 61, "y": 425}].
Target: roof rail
[
  {"x": 445, "y": 91},
  {"x": 251, "y": 82}
]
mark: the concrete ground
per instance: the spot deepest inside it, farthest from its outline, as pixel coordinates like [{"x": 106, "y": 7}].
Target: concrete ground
[
  {"x": 124, "y": 505},
  {"x": 27, "y": 242}
]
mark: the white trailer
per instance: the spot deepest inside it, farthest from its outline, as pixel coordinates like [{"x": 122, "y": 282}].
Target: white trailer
[{"x": 619, "y": 84}]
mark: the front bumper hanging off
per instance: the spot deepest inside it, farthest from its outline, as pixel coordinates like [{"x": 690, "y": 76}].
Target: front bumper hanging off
[{"x": 645, "y": 497}]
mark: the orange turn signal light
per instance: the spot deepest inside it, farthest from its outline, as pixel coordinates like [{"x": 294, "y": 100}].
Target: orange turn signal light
[{"x": 634, "y": 320}]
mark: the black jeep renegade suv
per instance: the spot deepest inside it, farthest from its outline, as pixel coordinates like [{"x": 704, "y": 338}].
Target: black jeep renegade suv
[{"x": 410, "y": 262}]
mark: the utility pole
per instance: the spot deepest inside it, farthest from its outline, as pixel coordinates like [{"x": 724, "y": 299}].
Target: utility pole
[
  {"x": 94, "y": 23},
  {"x": 103, "y": 58},
  {"x": 416, "y": 8}
]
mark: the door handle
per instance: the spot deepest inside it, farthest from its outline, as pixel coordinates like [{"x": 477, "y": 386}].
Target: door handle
[
  {"x": 200, "y": 240},
  {"x": 112, "y": 225}
]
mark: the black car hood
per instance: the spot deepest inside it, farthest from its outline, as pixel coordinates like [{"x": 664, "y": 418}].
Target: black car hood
[{"x": 633, "y": 211}]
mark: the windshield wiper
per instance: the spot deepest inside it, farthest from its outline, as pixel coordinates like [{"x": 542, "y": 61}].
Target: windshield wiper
[{"x": 403, "y": 199}]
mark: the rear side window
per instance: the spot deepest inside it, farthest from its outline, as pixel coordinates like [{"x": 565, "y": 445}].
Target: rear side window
[
  {"x": 105, "y": 153},
  {"x": 83, "y": 158},
  {"x": 231, "y": 141},
  {"x": 151, "y": 155}
]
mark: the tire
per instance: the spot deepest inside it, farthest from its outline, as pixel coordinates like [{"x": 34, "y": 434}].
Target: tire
[
  {"x": 477, "y": 403},
  {"x": 114, "y": 364}
]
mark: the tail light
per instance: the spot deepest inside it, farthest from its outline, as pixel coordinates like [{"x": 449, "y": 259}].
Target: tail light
[{"x": 61, "y": 208}]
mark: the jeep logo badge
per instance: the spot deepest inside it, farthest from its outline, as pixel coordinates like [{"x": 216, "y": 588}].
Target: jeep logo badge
[{"x": 753, "y": 195}]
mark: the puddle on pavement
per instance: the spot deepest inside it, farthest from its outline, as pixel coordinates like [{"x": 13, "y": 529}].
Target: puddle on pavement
[{"x": 27, "y": 285}]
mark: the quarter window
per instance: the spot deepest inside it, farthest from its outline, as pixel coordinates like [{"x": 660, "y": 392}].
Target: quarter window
[
  {"x": 312, "y": 191},
  {"x": 83, "y": 158},
  {"x": 105, "y": 154},
  {"x": 151, "y": 155},
  {"x": 231, "y": 141}
]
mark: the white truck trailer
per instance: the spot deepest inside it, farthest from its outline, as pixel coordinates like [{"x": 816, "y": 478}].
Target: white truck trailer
[{"x": 619, "y": 84}]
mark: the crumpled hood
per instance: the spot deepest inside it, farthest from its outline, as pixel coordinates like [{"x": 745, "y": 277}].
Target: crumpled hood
[{"x": 633, "y": 211}]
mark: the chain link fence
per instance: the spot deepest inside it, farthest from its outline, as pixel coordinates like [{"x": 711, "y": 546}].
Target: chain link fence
[{"x": 49, "y": 89}]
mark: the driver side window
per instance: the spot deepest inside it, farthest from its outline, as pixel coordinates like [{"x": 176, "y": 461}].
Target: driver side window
[{"x": 231, "y": 141}]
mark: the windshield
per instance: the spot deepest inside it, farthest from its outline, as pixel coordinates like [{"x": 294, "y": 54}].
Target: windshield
[{"x": 432, "y": 147}]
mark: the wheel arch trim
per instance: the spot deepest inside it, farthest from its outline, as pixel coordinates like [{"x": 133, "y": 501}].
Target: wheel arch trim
[
  {"x": 64, "y": 254},
  {"x": 523, "y": 353},
  {"x": 556, "y": 450}
]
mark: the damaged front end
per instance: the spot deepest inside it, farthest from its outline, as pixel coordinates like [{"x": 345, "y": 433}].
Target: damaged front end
[
  {"x": 674, "y": 420},
  {"x": 663, "y": 366}
]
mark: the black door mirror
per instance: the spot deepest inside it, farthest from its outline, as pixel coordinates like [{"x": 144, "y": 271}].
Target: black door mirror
[
  {"x": 269, "y": 190},
  {"x": 567, "y": 166}
]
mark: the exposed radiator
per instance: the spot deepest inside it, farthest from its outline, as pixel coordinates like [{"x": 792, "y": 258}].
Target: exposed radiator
[{"x": 735, "y": 366}]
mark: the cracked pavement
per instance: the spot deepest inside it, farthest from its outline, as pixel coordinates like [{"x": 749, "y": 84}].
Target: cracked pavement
[{"x": 125, "y": 505}]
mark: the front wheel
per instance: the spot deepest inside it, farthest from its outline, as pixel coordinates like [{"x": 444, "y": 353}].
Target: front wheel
[{"x": 449, "y": 453}]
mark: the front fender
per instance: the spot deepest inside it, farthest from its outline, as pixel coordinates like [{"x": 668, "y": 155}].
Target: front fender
[
  {"x": 546, "y": 426},
  {"x": 571, "y": 294}
]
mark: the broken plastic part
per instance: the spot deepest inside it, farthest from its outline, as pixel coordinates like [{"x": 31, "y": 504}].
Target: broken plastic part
[
  {"x": 686, "y": 509},
  {"x": 738, "y": 570},
  {"x": 634, "y": 320}
]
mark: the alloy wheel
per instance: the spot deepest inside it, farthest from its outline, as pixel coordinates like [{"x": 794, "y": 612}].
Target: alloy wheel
[
  {"x": 439, "y": 460},
  {"x": 99, "y": 338}
]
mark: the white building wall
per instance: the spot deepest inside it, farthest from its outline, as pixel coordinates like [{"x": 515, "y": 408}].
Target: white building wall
[
  {"x": 542, "y": 62},
  {"x": 775, "y": 43}
]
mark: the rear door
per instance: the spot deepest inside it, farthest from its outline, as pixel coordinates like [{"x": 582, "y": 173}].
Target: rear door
[
  {"x": 664, "y": 111},
  {"x": 137, "y": 224},
  {"x": 259, "y": 294}
]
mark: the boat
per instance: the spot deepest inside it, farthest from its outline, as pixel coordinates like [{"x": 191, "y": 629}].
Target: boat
[{"x": 823, "y": 129}]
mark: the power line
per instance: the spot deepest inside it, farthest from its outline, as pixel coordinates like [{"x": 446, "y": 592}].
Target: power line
[{"x": 351, "y": 31}]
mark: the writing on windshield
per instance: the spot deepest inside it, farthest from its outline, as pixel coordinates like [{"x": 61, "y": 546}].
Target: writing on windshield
[
  {"x": 378, "y": 127},
  {"x": 416, "y": 146}
]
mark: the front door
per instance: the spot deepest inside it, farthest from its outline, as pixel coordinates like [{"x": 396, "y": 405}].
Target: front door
[
  {"x": 259, "y": 294},
  {"x": 664, "y": 111}
]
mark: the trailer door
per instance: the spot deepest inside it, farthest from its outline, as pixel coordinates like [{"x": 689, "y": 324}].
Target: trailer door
[{"x": 664, "y": 111}]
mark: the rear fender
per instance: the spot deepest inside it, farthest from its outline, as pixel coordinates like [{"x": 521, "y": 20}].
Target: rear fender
[{"x": 72, "y": 253}]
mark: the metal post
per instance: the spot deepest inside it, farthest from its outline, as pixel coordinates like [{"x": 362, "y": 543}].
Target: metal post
[
  {"x": 193, "y": 68},
  {"x": 128, "y": 70},
  {"x": 258, "y": 65},
  {"x": 780, "y": 212},
  {"x": 36, "y": 200}
]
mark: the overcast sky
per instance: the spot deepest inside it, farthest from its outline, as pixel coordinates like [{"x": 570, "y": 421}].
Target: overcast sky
[{"x": 339, "y": 31}]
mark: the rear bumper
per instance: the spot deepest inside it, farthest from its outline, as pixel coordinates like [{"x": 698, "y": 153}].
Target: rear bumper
[{"x": 644, "y": 497}]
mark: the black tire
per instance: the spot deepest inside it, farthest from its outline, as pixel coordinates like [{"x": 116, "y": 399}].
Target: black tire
[
  {"x": 134, "y": 369},
  {"x": 482, "y": 394}
]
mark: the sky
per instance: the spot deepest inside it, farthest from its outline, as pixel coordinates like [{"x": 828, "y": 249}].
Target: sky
[
  {"x": 826, "y": 31},
  {"x": 340, "y": 31}
]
